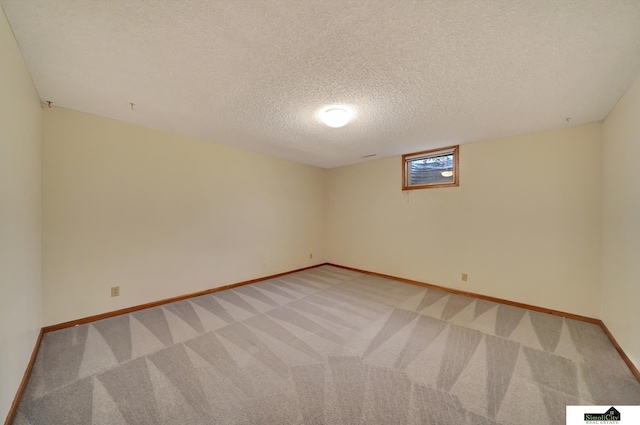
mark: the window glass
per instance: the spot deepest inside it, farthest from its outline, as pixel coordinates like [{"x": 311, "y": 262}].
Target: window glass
[{"x": 436, "y": 168}]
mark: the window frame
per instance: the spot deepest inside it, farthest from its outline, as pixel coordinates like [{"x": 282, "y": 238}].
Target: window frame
[{"x": 407, "y": 158}]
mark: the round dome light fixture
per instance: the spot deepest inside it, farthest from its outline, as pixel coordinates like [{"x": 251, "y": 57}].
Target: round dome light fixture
[
  {"x": 447, "y": 173},
  {"x": 336, "y": 117}
]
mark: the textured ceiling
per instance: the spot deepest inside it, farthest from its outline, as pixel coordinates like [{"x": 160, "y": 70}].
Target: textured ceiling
[{"x": 419, "y": 74}]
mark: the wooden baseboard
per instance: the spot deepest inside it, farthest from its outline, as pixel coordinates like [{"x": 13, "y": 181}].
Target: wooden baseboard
[
  {"x": 627, "y": 360},
  {"x": 128, "y": 310},
  {"x": 480, "y": 296},
  {"x": 27, "y": 373},
  {"x": 25, "y": 378},
  {"x": 624, "y": 356},
  {"x": 14, "y": 405}
]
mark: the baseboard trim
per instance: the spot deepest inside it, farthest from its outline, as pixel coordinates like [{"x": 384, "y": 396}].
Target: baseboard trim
[
  {"x": 624, "y": 356},
  {"x": 25, "y": 378},
  {"x": 89, "y": 319},
  {"x": 480, "y": 296},
  {"x": 127, "y": 310},
  {"x": 627, "y": 360},
  {"x": 14, "y": 406}
]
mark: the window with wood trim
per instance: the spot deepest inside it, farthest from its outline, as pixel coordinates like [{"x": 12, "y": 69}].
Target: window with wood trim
[{"x": 428, "y": 169}]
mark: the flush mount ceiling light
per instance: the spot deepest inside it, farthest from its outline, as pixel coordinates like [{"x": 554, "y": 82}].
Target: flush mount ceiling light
[
  {"x": 447, "y": 173},
  {"x": 336, "y": 116}
]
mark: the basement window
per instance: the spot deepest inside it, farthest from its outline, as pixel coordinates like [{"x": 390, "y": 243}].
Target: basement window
[{"x": 429, "y": 169}]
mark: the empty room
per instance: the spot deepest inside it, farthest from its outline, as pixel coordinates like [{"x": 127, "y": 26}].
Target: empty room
[{"x": 319, "y": 212}]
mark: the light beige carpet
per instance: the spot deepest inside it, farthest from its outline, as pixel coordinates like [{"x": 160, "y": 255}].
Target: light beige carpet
[{"x": 325, "y": 346}]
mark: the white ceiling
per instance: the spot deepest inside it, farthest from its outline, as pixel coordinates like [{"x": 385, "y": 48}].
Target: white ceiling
[{"x": 420, "y": 74}]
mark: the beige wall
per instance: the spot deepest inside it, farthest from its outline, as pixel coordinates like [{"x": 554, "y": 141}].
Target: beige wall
[
  {"x": 163, "y": 215},
  {"x": 20, "y": 247},
  {"x": 524, "y": 222},
  {"x": 621, "y": 222}
]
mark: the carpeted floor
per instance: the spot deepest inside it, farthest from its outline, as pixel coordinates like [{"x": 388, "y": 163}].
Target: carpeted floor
[{"x": 325, "y": 346}]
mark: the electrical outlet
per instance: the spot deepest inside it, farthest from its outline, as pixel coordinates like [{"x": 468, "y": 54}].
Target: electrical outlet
[
  {"x": 115, "y": 291},
  {"x": 311, "y": 255},
  {"x": 465, "y": 277}
]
